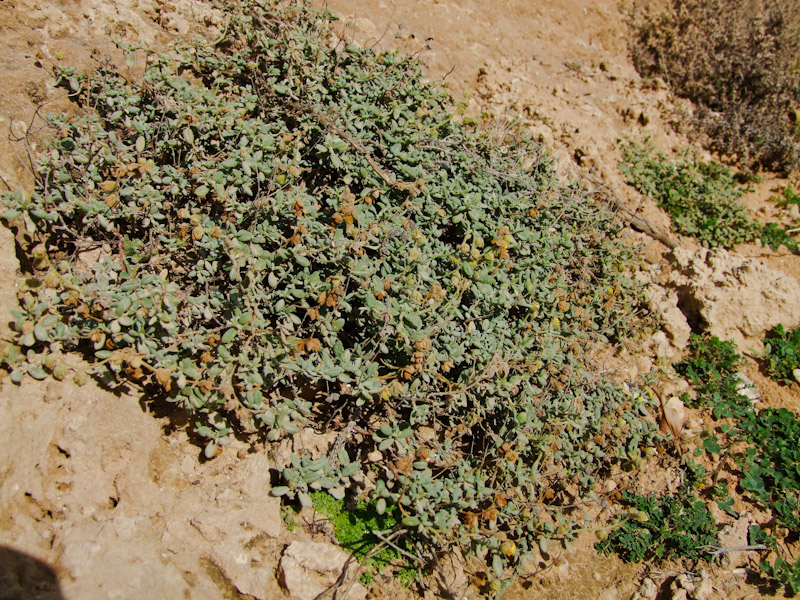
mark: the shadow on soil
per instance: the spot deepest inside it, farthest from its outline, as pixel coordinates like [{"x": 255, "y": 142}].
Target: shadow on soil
[{"x": 23, "y": 577}]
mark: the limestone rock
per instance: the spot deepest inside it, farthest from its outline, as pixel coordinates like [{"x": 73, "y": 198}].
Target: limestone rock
[
  {"x": 316, "y": 444},
  {"x": 703, "y": 589},
  {"x": 735, "y": 535},
  {"x": 242, "y": 524},
  {"x": 298, "y": 581},
  {"x": 664, "y": 304},
  {"x": 609, "y": 594},
  {"x": 661, "y": 346},
  {"x": 317, "y": 556},
  {"x": 688, "y": 587},
  {"x": 309, "y": 568},
  {"x": 733, "y": 297},
  {"x": 681, "y": 587},
  {"x": 243, "y": 567},
  {"x": 648, "y": 590}
]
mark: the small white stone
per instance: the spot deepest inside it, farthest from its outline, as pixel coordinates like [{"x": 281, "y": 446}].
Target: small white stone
[
  {"x": 309, "y": 568},
  {"x": 684, "y": 582},
  {"x": 648, "y": 590},
  {"x": 747, "y": 388},
  {"x": 317, "y": 556},
  {"x": 704, "y": 589},
  {"x": 675, "y": 414},
  {"x": 660, "y": 343},
  {"x": 296, "y": 580}
]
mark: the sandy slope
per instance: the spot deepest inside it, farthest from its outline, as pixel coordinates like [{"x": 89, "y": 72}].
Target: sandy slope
[{"x": 99, "y": 499}]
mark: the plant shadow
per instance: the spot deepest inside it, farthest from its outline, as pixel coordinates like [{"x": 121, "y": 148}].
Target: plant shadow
[{"x": 23, "y": 577}]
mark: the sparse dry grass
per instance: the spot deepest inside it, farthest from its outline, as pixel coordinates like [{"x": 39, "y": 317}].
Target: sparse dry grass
[{"x": 738, "y": 62}]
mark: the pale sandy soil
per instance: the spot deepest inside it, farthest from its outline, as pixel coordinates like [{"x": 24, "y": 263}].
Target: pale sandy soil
[{"x": 105, "y": 496}]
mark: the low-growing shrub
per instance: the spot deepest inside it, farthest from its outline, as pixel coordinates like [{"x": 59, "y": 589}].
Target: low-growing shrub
[
  {"x": 662, "y": 527},
  {"x": 279, "y": 230},
  {"x": 709, "y": 360},
  {"x": 774, "y": 236},
  {"x": 790, "y": 197},
  {"x": 765, "y": 444},
  {"x": 738, "y": 62},
  {"x": 782, "y": 354},
  {"x": 702, "y": 198}
]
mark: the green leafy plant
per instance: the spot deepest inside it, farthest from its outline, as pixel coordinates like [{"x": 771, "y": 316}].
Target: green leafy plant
[
  {"x": 711, "y": 367},
  {"x": 771, "y": 467},
  {"x": 782, "y": 354},
  {"x": 701, "y": 198},
  {"x": 709, "y": 359},
  {"x": 275, "y": 232},
  {"x": 288, "y": 514},
  {"x": 661, "y": 527},
  {"x": 789, "y": 197},
  {"x": 764, "y": 444},
  {"x": 772, "y": 463},
  {"x": 784, "y": 571},
  {"x": 775, "y": 236},
  {"x": 779, "y": 569},
  {"x": 355, "y": 530}
]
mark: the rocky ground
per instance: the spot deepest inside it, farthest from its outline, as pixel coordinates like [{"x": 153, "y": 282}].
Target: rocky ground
[{"x": 105, "y": 496}]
